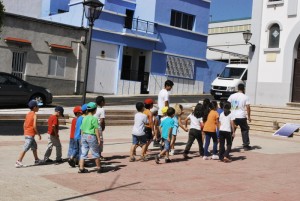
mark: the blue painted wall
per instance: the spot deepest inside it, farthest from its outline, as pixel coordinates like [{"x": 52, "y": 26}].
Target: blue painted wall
[{"x": 199, "y": 8}]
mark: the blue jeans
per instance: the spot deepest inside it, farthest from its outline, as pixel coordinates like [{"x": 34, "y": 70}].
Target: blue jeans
[
  {"x": 89, "y": 142},
  {"x": 139, "y": 140},
  {"x": 71, "y": 147},
  {"x": 209, "y": 135},
  {"x": 77, "y": 149},
  {"x": 166, "y": 144}
]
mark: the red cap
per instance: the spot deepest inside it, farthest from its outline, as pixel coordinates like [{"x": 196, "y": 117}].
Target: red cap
[
  {"x": 77, "y": 109},
  {"x": 148, "y": 101}
]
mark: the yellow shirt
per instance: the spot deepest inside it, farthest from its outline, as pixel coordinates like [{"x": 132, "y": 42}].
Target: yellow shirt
[{"x": 211, "y": 124}]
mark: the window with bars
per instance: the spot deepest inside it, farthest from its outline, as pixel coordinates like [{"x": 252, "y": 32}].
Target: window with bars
[
  {"x": 57, "y": 65},
  {"x": 182, "y": 20},
  {"x": 179, "y": 67}
]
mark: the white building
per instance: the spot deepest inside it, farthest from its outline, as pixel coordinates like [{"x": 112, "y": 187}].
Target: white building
[
  {"x": 225, "y": 41},
  {"x": 274, "y": 68}
]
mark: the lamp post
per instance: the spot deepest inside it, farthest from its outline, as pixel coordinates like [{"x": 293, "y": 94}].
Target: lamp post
[
  {"x": 247, "y": 36},
  {"x": 92, "y": 11}
]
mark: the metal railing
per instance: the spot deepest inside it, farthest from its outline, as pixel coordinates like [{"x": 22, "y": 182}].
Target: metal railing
[{"x": 143, "y": 25}]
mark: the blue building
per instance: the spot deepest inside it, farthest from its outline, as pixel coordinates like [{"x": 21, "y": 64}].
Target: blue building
[{"x": 138, "y": 44}]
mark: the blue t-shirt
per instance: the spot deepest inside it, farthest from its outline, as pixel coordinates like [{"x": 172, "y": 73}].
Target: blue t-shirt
[
  {"x": 176, "y": 125},
  {"x": 166, "y": 124},
  {"x": 77, "y": 135}
]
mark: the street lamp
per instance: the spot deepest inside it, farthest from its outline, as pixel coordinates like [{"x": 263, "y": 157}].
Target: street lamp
[
  {"x": 247, "y": 36},
  {"x": 92, "y": 11}
]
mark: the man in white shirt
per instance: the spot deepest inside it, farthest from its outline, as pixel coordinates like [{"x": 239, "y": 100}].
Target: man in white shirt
[
  {"x": 240, "y": 107},
  {"x": 163, "y": 96}
]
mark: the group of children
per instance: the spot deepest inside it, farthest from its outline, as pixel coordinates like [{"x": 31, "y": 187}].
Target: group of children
[
  {"x": 207, "y": 121},
  {"x": 86, "y": 134}
]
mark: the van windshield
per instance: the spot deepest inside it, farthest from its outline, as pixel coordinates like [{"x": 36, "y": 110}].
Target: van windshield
[{"x": 234, "y": 73}]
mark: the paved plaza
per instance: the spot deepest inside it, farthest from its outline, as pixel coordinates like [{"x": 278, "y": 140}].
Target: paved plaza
[{"x": 268, "y": 172}]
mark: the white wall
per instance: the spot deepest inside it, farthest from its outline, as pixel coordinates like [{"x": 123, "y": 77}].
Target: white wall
[{"x": 145, "y": 10}]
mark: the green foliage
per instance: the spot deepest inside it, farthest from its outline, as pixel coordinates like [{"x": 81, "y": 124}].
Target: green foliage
[{"x": 2, "y": 9}]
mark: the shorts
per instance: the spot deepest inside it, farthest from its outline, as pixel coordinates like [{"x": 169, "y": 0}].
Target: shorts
[
  {"x": 139, "y": 140},
  {"x": 89, "y": 142},
  {"x": 30, "y": 143},
  {"x": 148, "y": 133},
  {"x": 166, "y": 144}
]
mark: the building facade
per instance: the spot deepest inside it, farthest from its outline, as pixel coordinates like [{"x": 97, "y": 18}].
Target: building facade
[
  {"x": 225, "y": 41},
  {"x": 274, "y": 66},
  {"x": 138, "y": 44},
  {"x": 44, "y": 53}
]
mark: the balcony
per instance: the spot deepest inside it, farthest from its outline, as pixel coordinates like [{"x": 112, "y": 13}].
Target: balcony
[{"x": 140, "y": 28}]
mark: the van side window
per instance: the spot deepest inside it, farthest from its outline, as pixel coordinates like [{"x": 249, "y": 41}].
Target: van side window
[{"x": 245, "y": 76}]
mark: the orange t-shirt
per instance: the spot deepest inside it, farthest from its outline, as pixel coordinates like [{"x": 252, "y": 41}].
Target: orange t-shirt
[
  {"x": 211, "y": 124},
  {"x": 28, "y": 124},
  {"x": 73, "y": 126},
  {"x": 148, "y": 113}
]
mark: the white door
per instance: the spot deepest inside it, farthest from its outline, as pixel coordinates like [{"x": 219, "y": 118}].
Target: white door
[{"x": 102, "y": 76}]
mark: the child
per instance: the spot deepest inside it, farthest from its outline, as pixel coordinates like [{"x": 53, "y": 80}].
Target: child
[
  {"x": 53, "y": 137},
  {"x": 138, "y": 133},
  {"x": 195, "y": 130},
  {"x": 156, "y": 123},
  {"x": 77, "y": 112},
  {"x": 77, "y": 138},
  {"x": 177, "y": 122},
  {"x": 210, "y": 126},
  {"x": 90, "y": 139},
  {"x": 166, "y": 127},
  {"x": 30, "y": 130},
  {"x": 220, "y": 110},
  {"x": 226, "y": 132},
  {"x": 100, "y": 115},
  {"x": 148, "y": 126}
]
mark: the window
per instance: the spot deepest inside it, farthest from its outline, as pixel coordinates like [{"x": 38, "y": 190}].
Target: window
[
  {"x": 182, "y": 20},
  {"x": 274, "y": 35},
  {"x": 179, "y": 67},
  {"x": 57, "y": 66},
  {"x": 129, "y": 18}
]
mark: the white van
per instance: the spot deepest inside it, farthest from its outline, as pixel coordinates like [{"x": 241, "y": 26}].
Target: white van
[{"x": 227, "y": 82}]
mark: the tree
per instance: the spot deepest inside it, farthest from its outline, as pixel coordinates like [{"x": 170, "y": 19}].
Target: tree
[{"x": 2, "y": 9}]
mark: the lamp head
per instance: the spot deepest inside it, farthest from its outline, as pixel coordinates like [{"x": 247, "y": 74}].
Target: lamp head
[
  {"x": 247, "y": 36},
  {"x": 92, "y": 9}
]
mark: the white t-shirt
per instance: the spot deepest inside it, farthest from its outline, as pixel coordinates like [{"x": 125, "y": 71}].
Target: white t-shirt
[
  {"x": 225, "y": 122},
  {"x": 140, "y": 120},
  {"x": 238, "y": 104},
  {"x": 163, "y": 96},
  {"x": 100, "y": 114},
  {"x": 195, "y": 122}
]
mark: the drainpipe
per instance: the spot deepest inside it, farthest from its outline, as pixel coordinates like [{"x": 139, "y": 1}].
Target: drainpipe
[{"x": 77, "y": 68}]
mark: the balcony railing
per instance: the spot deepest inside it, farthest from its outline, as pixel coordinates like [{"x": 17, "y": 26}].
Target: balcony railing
[{"x": 143, "y": 25}]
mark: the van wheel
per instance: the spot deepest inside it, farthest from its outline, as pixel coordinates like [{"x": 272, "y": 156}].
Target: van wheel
[{"x": 217, "y": 97}]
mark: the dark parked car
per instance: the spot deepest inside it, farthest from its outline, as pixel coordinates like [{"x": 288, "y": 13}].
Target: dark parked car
[{"x": 15, "y": 91}]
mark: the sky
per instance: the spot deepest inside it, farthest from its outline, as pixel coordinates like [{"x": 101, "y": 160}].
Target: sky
[{"x": 230, "y": 9}]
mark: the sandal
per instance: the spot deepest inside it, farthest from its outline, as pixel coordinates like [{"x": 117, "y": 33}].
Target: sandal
[{"x": 83, "y": 170}]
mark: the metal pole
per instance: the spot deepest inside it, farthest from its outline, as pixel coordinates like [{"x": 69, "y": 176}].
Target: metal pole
[{"x": 87, "y": 63}]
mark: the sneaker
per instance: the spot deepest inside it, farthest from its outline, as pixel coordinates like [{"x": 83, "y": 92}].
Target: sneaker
[
  {"x": 48, "y": 160},
  {"x": 132, "y": 159},
  {"x": 59, "y": 161},
  {"x": 143, "y": 159},
  {"x": 185, "y": 156},
  {"x": 71, "y": 162},
  {"x": 172, "y": 152},
  {"x": 102, "y": 158},
  {"x": 247, "y": 148},
  {"x": 38, "y": 161},
  {"x": 226, "y": 160},
  {"x": 19, "y": 164},
  {"x": 206, "y": 158},
  {"x": 167, "y": 160},
  {"x": 215, "y": 157},
  {"x": 157, "y": 159}
]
